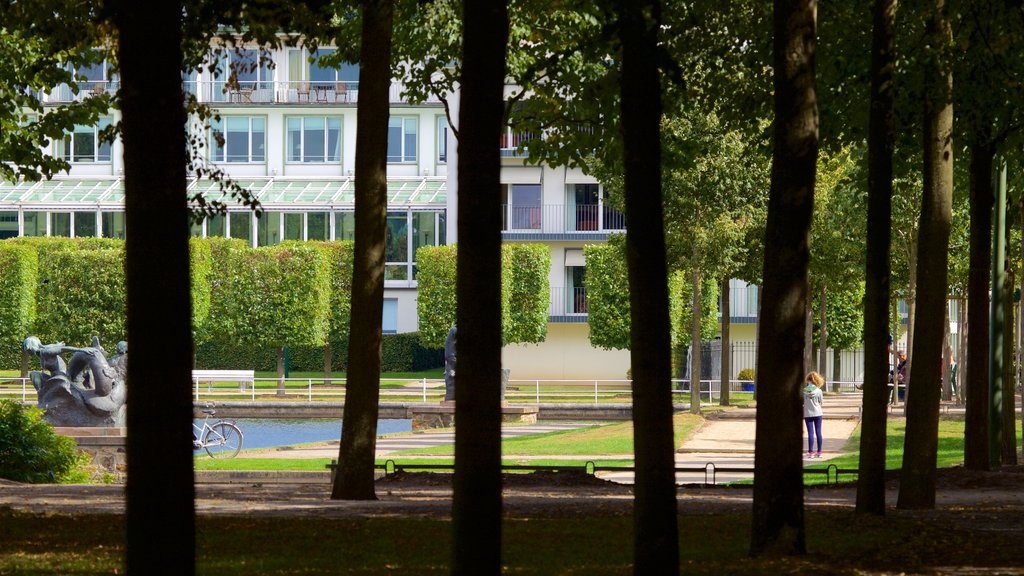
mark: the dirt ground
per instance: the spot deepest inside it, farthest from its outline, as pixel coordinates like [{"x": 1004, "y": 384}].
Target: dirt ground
[{"x": 983, "y": 498}]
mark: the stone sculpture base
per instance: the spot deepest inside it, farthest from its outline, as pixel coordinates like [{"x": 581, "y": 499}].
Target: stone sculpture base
[
  {"x": 105, "y": 445},
  {"x": 443, "y": 415}
]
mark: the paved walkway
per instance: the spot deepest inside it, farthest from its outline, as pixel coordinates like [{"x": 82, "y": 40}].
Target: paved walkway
[{"x": 726, "y": 441}]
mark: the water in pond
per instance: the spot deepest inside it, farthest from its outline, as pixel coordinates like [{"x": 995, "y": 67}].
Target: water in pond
[{"x": 270, "y": 432}]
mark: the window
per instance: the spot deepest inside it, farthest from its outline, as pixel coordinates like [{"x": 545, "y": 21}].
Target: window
[
  {"x": 268, "y": 229},
  {"x": 396, "y": 252},
  {"x": 242, "y": 72},
  {"x": 306, "y": 71},
  {"x": 35, "y": 223},
  {"x": 8, "y": 224},
  {"x": 216, "y": 225},
  {"x": 314, "y": 139},
  {"x": 84, "y": 224},
  {"x": 84, "y": 143},
  {"x": 318, "y": 226},
  {"x": 389, "y": 319},
  {"x": 523, "y": 209},
  {"x": 60, "y": 224},
  {"x": 442, "y": 139},
  {"x": 344, "y": 226},
  {"x": 581, "y": 204},
  {"x": 238, "y": 139},
  {"x": 402, "y": 139},
  {"x": 576, "y": 289},
  {"x": 94, "y": 77},
  {"x": 240, "y": 226}
]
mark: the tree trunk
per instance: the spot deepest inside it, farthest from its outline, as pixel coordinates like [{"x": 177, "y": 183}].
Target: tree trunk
[
  {"x": 963, "y": 337},
  {"x": 895, "y": 396},
  {"x": 975, "y": 375},
  {"x": 808, "y": 336},
  {"x": 328, "y": 367},
  {"x": 695, "y": 343},
  {"x": 911, "y": 314},
  {"x": 837, "y": 373},
  {"x": 656, "y": 541},
  {"x": 160, "y": 493},
  {"x": 917, "y": 479},
  {"x": 1009, "y": 439},
  {"x": 24, "y": 363},
  {"x": 823, "y": 330},
  {"x": 280, "y": 370},
  {"x": 778, "y": 509},
  {"x": 476, "y": 503},
  {"x": 354, "y": 480},
  {"x": 723, "y": 398}
]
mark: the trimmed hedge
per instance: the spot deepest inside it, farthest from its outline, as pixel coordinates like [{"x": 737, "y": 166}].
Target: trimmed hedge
[
  {"x": 81, "y": 294},
  {"x": 18, "y": 282},
  {"x": 525, "y": 292},
  {"x": 399, "y": 353}
]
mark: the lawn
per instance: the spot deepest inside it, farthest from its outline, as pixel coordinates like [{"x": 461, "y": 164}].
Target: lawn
[{"x": 594, "y": 544}]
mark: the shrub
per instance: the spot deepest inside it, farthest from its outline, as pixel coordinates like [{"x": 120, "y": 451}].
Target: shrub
[
  {"x": 30, "y": 451},
  {"x": 20, "y": 267},
  {"x": 746, "y": 374}
]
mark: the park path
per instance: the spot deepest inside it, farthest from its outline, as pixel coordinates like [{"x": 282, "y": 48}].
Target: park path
[{"x": 726, "y": 440}]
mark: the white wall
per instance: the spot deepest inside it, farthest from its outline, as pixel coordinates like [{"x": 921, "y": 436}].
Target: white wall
[{"x": 565, "y": 355}]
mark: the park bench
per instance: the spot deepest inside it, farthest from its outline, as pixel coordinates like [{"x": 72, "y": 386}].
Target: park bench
[{"x": 242, "y": 377}]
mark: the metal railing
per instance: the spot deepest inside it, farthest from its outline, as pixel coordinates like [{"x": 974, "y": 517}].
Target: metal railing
[
  {"x": 246, "y": 92},
  {"x": 568, "y": 302},
  {"x": 560, "y": 219},
  {"x": 518, "y": 391},
  {"x": 20, "y": 388}
]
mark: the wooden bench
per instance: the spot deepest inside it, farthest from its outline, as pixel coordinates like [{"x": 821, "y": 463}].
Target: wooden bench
[{"x": 242, "y": 377}]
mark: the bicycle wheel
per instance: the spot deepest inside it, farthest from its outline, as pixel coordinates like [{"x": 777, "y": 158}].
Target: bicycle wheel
[{"x": 223, "y": 440}]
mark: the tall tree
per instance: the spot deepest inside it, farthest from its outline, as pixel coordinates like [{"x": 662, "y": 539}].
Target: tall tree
[
  {"x": 359, "y": 423},
  {"x": 159, "y": 494},
  {"x": 881, "y": 141},
  {"x": 476, "y": 503},
  {"x": 656, "y": 541},
  {"x": 917, "y": 479},
  {"x": 778, "y": 509}
]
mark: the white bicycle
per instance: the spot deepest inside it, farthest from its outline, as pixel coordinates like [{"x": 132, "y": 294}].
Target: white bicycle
[{"x": 222, "y": 439}]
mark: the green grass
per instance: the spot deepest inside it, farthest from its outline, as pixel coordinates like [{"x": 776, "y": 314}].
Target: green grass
[
  {"x": 320, "y": 464},
  {"x": 594, "y": 544},
  {"x": 950, "y": 449},
  {"x": 598, "y": 439}
]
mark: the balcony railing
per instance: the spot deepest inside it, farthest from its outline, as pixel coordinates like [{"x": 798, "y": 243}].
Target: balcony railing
[
  {"x": 568, "y": 302},
  {"x": 560, "y": 219},
  {"x": 259, "y": 92},
  {"x": 510, "y": 142}
]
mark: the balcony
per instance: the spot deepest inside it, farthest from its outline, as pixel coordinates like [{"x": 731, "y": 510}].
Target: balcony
[
  {"x": 510, "y": 142},
  {"x": 246, "y": 93},
  {"x": 568, "y": 304},
  {"x": 561, "y": 219}
]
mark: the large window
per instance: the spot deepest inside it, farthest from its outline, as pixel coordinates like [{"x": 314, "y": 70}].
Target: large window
[
  {"x": 389, "y": 318},
  {"x": 523, "y": 207},
  {"x": 314, "y": 139},
  {"x": 240, "y": 225},
  {"x": 113, "y": 225},
  {"x": 442, "y": 139},
  {"x": 272, "y": 227},
  {"x": 8, "y": 224},
  {"x": 402, "y": 139},
  {"x": 344, "y": 226},
  {"x": 309, "y": 74},
  {"x": 84, "y": 224},
  {"x": 84, "y": 144},
  {"x": 239, "y": 139},
  {"x": 396, "y": 254},
  {"x": 582, "y": 207},
  {"x": 240, "y": 73}
]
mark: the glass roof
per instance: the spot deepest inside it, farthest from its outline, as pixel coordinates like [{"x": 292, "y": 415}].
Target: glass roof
[{"x": 419, "y": 191}]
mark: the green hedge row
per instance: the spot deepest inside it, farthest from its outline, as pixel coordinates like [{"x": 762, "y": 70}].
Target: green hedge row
[{"x": 399, "y": 353}]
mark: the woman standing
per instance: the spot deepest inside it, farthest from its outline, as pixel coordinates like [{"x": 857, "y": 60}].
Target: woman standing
[{"x": 813, "y": 413}]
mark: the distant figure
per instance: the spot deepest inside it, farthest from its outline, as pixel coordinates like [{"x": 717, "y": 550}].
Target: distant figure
[
  {"x": 952, "y": 373},
  {"x": 449, "y": 364},
  {"x": 813, "y": 412}
]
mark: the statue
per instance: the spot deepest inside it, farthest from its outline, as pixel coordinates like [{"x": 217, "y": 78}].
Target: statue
[
  {"x": 449, "y": 364},
  {"x": 85, "y": 391}
]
